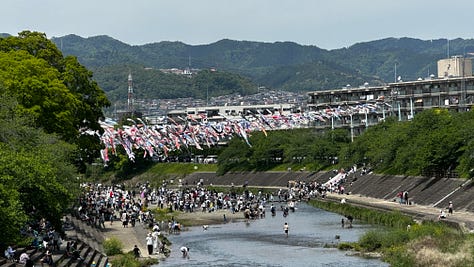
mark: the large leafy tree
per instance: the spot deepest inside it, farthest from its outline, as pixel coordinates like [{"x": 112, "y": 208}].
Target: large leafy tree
[
  {"x": 35, "y": 173},
  {"x": 57, "y": 92},
  {"x": 50, "y": 98},
  {"x": 299, "y": 147},
  {"x": 436, "y": 142},
  {"x": 40, "y": 92}
]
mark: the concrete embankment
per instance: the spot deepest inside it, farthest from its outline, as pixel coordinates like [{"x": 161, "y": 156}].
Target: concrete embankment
[{"x": 427, "y": 195}]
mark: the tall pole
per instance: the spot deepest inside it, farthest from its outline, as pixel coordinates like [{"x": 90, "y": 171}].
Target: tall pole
[
  {"x": 366, "y": 120},
  {"x": 395, "y": 72},
  {"x": 130, "y": 94},
  {"x": 447, "y": 49},
  {"x": 352, "y": 129},
  {"x": 399, "y": 112}
]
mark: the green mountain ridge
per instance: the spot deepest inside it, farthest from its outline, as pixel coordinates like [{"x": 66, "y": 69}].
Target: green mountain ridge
[{"x": 279, "y": 65}]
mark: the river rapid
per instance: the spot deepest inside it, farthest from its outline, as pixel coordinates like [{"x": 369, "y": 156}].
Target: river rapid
[{"x": 262, "y": 242}]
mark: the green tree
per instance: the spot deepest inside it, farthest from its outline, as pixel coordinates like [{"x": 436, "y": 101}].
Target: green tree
[
  {"x": 12, "y": 216},
  {"x": 432, "y": 144},
  {"x": 436, "y": 142},
  {"x": 58, "y": 93},
  {"x": 35, "y": 172},
  {"x": 463, "y": 126},
  {"x": 234, "y": 157},
  {"x": 39, "y": 91}
]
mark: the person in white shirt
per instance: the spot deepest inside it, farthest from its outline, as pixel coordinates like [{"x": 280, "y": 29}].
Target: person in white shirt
[
  {"x": 149, "y": 243},
  {"x": 23, "y": 258},
  {"x": 442, "y": 215}
]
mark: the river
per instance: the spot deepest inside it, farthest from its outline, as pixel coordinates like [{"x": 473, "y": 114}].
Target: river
[{"x": 262, "y": 242}]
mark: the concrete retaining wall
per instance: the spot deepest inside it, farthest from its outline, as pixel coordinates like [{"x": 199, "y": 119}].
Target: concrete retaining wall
[{"x": 436, "y": 192}]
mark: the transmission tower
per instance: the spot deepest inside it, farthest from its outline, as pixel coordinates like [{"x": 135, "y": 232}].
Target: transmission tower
[{"x": 130, "y": 94}]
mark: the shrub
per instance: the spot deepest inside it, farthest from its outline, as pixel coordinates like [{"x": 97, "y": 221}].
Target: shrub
[
  {"x": 371, "y": 241},
  {"x": 398, "y": 256},
  {"x": 113, "y": 246},
  {"x": 345, "y": 246},
  {"x": 129, "y": 260},
  {"x": 395, "y": 237},
  {"x": 125, "y": 260},
  {"x": 149, "y": 261}
]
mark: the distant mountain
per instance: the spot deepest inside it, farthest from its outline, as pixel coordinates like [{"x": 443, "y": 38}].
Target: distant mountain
[{"x": 281, "y": 65}]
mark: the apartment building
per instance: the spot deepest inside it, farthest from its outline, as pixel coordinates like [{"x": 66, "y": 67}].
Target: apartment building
[{"x": 400, "y": 99}]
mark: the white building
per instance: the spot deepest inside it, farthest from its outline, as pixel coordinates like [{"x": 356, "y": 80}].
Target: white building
[{"x": 456, "y": 66}]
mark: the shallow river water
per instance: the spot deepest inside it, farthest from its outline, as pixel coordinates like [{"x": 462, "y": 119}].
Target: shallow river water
[{"x": 262, "y": 242}]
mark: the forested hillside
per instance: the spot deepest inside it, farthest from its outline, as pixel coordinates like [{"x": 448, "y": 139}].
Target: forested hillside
[
  {"x": 281, "y": 65},
  {"x": 154, "y": 84}
]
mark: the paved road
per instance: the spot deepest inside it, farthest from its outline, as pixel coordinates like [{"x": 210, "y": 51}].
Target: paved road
[{"x": 464, "y": 218}]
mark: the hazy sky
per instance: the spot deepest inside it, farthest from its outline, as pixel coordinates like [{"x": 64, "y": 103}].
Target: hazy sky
[{"x": 327, "y": 24}]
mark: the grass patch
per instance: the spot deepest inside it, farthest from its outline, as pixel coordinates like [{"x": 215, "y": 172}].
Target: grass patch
[
  {"x": 181, "y": 168},
  {"x": 392, "y": 219},
  {"x": 129, "y": 260},
  {"x": 113, "y": 246},
  {"x": 425, "y": 244}
]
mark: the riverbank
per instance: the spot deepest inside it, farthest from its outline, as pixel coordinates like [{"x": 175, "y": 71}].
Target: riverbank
[
  {"x": 262, "y": 242},
  {"x": 131, "y": 236},
  {"x": 460, "y": 219},
  {"x": 427, "y": 198},
  {"x": 427, "y": 195},
  {"x": 405, "y": 242}
]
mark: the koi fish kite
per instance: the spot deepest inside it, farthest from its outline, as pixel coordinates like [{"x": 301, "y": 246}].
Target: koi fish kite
[{"x": 161, "y": 139}]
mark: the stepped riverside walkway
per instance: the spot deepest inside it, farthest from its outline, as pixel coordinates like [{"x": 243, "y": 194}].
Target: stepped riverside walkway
[
  {"x": 89, "y": 242},
  {"x": 428, "y": 195}
]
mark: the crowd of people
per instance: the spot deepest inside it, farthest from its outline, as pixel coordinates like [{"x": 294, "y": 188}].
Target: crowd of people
[
  {"x": 45, "y": 238},
  {"x": 100, "y": 205}
]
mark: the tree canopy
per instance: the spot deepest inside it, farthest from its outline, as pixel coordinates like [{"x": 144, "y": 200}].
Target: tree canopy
[
  {"x": 436, "y": 143},
  {"x": 45, "y": 101},
  {"x": 57, "y": 93},
  {"x": 200, "y": 85},
  {"x": 298, "y": 147},
  {"x": 36, "y": 174}
]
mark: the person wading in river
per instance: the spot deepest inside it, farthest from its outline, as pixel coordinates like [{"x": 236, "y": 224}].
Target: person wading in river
[{"x": 185, "y": 251}]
